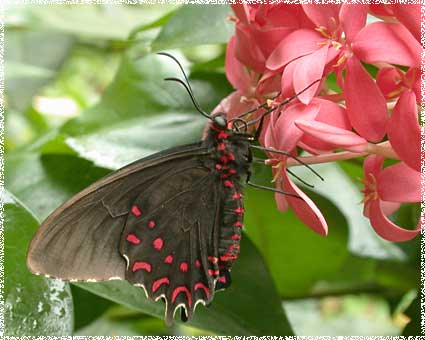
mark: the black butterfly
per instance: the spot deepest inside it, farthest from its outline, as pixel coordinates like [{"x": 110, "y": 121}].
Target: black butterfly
[{"x": 170, "y": 223}]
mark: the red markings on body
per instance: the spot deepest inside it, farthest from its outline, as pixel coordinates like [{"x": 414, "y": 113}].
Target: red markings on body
[
  {"x": 221, "y": 146},
  {"x": 222, "y": 279},
  {"x": 158, "y": 243},
  {"x": 218, "y": 166},
  {"x": 238, "y": 224},
  {"x": 184, "y": 267},
  {"x": 236, "y": 196},
  {"x": 158, "y": 283},
  {"x": 239, "y": 210},
  {"x": 222, "y": 135},
  {"x": 230, "y": 156},
  {"x": 151, "y": 224},
  {"x": 133, "y": 239},
  {"x": 228, "y": 184},
  {"x": 142, "y": 265},
  {"x": 197, "y": 264},
  {"x": 135, "y": 210},
  {"x": 223, "y": 159},
  {"x": 169, "y": 259},
  {"x": 232, "y": 172},
  {"x": 213, "y": 272},
  {"x": 228, "y": 257},
  {"x": 233, "y": 246},
  {"x": 179, "y": 290},
  {"x": 200, "y": 285},
  {"x": 212, "y": 259},
  {"x": 236, "y": 237}
]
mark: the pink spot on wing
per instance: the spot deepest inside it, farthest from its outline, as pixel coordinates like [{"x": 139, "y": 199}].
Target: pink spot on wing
[
  {"x": 200, "y": 285},
  {"x": 233, "y": 246},
  {"x": 197, "y": 264},
  {"x": 218, "y": 166},
  {"x": 239, "y": 210},
  {"x": 223, "y": 159},
  {"x": 151, "y": 224},
  {"x": 230, "y": 156},
  {"x": 179, "y": 290},
  {"x": 158, "y": 243},
  {"x": 158, "y": 283},
  {"x": 232, "y": 171},
  {"x": 142, "y": 265},
  {"x": 236, "y": 237},
  {"x": 221, "y": 146},
  {"x": 213, "y": 272},
  {"x": 222, "y": 279},
  {"x": 238, "y": 224},
  {"x": 184, "y": 267},
  {"x": 169, "y": 259},
  {"x": 135, "y": 210},
  {"x": 213, "y": 259},
  {"x": 133, "y": 239}
]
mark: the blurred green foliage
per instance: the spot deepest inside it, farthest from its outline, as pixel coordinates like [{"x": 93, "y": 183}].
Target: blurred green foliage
[{"x": 85, "y": 95}]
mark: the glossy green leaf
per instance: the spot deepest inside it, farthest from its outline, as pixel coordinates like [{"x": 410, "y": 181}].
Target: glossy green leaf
[
  {"x": 208, "y": 25},
  {"x": 296, "y": 256},
  {"x": 33, "y": 305}
]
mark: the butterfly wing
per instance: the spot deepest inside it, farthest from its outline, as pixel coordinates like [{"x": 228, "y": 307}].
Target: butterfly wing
[
  {"x": 80, "y": 240},
  {"x": 171, "y": 238}
]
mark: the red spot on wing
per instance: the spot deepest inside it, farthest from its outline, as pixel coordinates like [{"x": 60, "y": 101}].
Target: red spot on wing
[
  {"x": 151, "y": 224},
  {"x": 179, "y": 290},
  {"x": 135, "y": 210},
  {"x": 213, "y": 272},
  {"x": 223, "y": 159},
  {"x": 233, "y": 246},
  {"x": 158, "y": 243},
  {"x": 236, "y": 196},
  {"x": 218, "y": 166},
  {"x": 238, "y": 224},
  {"x": 133, "y": 239},
  {"x": 168, "y": 259},
  {"x": 230, "y": 156},
  {"x": 184, "y": 267},
  {"x": 232, "y": 171},
  {"x": 200, "y": 285},
  {"x": 239, "y": 210},
  {"x": 236, "y": 237},
  {"x": 221, "y": 146},
  {"x": 158, "y": 283},
  {"x": 142, "y": 265},
  {"x": 197, "y": 264}
]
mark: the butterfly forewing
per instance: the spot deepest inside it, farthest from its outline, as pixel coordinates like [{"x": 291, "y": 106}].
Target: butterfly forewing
[{"x": 171, "y": 237}]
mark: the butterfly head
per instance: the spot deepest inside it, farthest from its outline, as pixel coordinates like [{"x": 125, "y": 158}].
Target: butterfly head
[{"x": 219, "y": 120}]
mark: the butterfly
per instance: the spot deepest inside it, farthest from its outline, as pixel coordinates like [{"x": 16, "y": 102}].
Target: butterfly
[{"x": 170, "y": 223}]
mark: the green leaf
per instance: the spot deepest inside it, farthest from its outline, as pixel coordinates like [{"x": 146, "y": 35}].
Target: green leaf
[
  {"x": 234, "y": 311},
  {"x": 28, "y": 66},
  {"x": 414, "y": 313},
  {"x": 297, "y": 257},
  {"x": 33, "y": 305},
  {"x": 208, "y": 25}
]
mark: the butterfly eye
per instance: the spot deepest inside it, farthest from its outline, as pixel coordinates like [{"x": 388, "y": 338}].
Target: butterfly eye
[{"x": 220, "y": 121}]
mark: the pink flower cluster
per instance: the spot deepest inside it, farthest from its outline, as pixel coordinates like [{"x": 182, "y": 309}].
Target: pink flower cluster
[{"x": 279, "y": 50}]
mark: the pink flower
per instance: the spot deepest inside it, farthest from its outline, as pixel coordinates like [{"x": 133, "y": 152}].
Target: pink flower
[{"x": 384, "y": 190}]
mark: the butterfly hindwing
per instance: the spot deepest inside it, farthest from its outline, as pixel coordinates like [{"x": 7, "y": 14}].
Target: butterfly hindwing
[
  {"x": 80, "y": 240},
  {"x": 170, "y": 239}
]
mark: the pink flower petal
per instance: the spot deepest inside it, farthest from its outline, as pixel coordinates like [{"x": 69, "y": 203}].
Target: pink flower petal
[
  {"x": 389, "y": 207},
  {"x": 236, "y": 73},
  {"x": 286, "y": 133},
  {"x": 372, "y": 165},
  {"x": 353, "y": 19},
  {"x": 404, "y": 131},
  {"x": 281, "y": 202},
  {"x": 268, "y": 39},
  {"x": 333, "y": 135},
  {"x": 389, "y": 80},
  {"x": 387, "y": 42},
  {"x": 247, "y": 50},
  {"x": 304, "y": 207},
  {"x": 242, "y": 12},
  {"x": 381, "y": 10},
  {"x": 326, "y": 15},
  {"x": 366, "y": 106},
  {"x": 399, "y": 183},
  {"x": 387, "y": 229},
  {"x": 410, "y": 16},
  {"x": 309, "y": 69},
  {"x": 287, "y": 84},
  {"x": 295, "y": 45}
]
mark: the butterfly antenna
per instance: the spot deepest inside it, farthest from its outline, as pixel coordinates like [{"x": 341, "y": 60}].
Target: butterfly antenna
[
  {"x": 185, "y": 84},
  {"x": 255, "y": 121}
]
